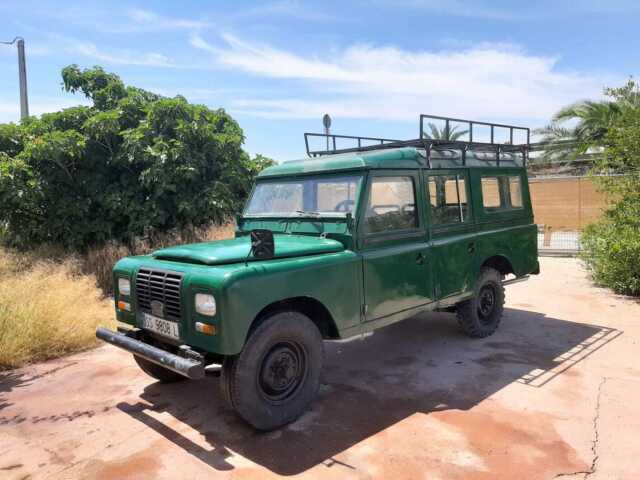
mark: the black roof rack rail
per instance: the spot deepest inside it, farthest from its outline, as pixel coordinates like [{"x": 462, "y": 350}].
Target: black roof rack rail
[{"x": 426, "y": 142}]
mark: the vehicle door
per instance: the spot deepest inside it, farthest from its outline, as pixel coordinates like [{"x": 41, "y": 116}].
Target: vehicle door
[
  {"x": 452, "y": 231},
  {"x": 395, "y": 251}
]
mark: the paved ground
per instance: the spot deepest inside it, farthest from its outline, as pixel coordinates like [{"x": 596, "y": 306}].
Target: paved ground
[{"x": 554, "y": 392}]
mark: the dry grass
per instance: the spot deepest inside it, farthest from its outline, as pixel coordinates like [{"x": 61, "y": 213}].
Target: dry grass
[
  {"x": 99, "y": 261},
  {"x": 47, "y": 309},
  {"x": 51, "y": 301}
]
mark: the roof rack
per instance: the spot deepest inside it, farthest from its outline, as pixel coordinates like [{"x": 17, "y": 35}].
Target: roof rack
[{"x": 430, "y": 145}]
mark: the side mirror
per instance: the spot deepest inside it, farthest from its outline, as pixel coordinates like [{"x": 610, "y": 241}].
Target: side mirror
[
  {"x": 350, "y": 221},
  {"x": 262, "y": 244}
]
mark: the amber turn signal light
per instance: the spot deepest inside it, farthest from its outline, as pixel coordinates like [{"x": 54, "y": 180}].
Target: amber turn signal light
[
  {"x": 206, "y": 328},
  {"x": 124, "y": 306}
]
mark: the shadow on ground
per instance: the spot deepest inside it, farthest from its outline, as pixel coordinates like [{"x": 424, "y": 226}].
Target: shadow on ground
[
  {"x": 420, "y": 365},
  {"x": 13, "y": 379}
]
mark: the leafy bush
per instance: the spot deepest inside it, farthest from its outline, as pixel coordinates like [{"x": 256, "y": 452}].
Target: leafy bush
[
  {"x": 612, "y": 246},
  {"x": 612, "y": 254},
  {"x": 132, "y": 164}
]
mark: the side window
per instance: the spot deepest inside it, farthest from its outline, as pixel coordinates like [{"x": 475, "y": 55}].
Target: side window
[
  {"x": 337, "y": 195},
  {"x": 501, "y": 193},
  {"x": 491, "y": 193},
  {"x": 515, "y": 192},
  {"x": 447, "y": 199},
  {"x": 391, "y": 205}
]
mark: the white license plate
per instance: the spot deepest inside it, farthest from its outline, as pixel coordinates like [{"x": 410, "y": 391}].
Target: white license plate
[{"x": 161, "y": 326}]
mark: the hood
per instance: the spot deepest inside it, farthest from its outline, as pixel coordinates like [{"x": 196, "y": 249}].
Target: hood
[{"x": 235, "y": 250}]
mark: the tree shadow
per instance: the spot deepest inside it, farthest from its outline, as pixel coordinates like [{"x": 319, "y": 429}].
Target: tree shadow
[{"x": 422, "y": 365}]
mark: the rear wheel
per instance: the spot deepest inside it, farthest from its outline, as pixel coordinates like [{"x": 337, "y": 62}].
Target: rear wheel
[
  {"x": 480, "y": 316},
  {"x": 277, "y": 374}
]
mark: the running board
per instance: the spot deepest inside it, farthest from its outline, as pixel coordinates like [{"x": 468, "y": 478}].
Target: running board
[{"x": 515, "y": 280}]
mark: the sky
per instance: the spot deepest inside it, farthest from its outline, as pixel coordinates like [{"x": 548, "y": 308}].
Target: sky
[{"x": 374, "y": 66}]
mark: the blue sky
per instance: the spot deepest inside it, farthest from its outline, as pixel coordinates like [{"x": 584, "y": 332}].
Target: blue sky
[{"x": 373, "y": 65}]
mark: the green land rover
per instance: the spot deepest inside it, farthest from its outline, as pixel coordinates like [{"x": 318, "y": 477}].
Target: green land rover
[{"x": 332, "y": 247}]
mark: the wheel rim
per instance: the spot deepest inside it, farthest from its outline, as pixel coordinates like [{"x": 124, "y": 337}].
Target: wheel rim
[
  {"x": 486, "y": 303},
  {"x": 283, "y": 370}
]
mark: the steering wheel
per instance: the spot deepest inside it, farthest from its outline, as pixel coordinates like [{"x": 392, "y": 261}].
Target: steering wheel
[
  {"x": 344, "y": 205},
  {"x": 408, "y": 208}
]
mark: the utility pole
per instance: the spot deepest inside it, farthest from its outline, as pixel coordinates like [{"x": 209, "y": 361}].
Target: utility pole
[{"x": 22, "y": 74}]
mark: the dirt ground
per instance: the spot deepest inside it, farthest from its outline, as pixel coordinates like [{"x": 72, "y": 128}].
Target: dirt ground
[{"x": 553, "y": 393}]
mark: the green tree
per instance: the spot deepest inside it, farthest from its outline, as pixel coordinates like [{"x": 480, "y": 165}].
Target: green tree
[
  {"x": 612, "y": 245},
  {"x": 132, "y": 163},
  {"x": 436, "y": 133}
]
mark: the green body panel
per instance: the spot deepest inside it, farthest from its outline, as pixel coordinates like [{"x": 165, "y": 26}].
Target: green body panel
[
  {"x": 363, "y": 281},
  {"x": 394, "y": 281},
  {"x": 237, "y": 249},
  {"x": 512, "y": 234},
  {"x": 396, "y": 158},
  {"x": 243, "y": 291}
]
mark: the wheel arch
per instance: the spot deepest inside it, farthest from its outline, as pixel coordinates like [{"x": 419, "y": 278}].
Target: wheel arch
[
  {"x": 500, "y": 263},
  {"x": 308, "y": 306}
]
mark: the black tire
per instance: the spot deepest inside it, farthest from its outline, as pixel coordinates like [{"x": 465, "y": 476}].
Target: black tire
[
  {"x": 480, "y": 316},
  {"x": 277, "y": 374},
  {"x": 156, "y": 371}
]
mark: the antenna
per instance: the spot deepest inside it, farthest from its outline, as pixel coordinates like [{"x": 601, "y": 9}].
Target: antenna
[{"x": 326, "y": 121}]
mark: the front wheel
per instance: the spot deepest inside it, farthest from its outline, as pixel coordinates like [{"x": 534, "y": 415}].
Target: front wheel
[
  {"x": 277, "y": 374},
  {"x": 480, "y": 316}
]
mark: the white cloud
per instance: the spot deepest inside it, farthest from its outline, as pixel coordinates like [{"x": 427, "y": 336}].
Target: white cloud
[
  {"x": 31, "y": 50},
  {"x": 460, "y": 8},
  {"x": 122, "y": 57},
  {"x": 152, "y": 20},
  {"x": 288, "y": 8},
  {"x": 540, "y": 10},
  {"x": 10, "y": 109},
  {"x": 614, "y": 7},
  {"x": 365, "y": 81}
]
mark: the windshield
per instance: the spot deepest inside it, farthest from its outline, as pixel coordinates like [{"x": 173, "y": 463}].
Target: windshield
[{"x": 313, "y": 196}]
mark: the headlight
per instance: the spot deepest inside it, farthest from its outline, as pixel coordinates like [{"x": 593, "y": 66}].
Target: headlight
[
  {"x": 205, "y": 304},
  {"x": 124, "y": 286}
]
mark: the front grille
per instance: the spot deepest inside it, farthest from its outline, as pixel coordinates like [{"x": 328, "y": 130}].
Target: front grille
[{"x": 161, "y": 286}]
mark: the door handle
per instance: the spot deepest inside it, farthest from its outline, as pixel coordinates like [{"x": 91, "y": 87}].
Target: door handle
[
  {"x": 471, "y": 247},
  {"x": 420, "y": 259}
]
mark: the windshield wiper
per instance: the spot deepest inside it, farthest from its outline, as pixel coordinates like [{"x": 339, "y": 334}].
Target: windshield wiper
[{"x": 306, "y": 212}]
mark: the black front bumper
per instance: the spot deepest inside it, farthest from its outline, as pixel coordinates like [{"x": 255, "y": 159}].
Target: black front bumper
[{"x": 188, "y": 367}]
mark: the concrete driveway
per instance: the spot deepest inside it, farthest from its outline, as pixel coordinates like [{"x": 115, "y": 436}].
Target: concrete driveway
[{"x": 554, "y": 392}]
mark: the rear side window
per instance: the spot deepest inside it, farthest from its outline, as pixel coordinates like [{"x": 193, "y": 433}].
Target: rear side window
[
  {"x": 501, "y": 193},
  {"x": 391, "y": 205},
  {"x": 447, "y": 199},
  {"x": 515, "y": 192},
  {"x": 491, "y": 193}
]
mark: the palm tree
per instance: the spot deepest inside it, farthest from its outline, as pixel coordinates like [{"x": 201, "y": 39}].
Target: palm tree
[
  {"x": 594, "y": 118},
  {"x": 592, "y": 121},
  {"x": 453, "y": 134}
]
